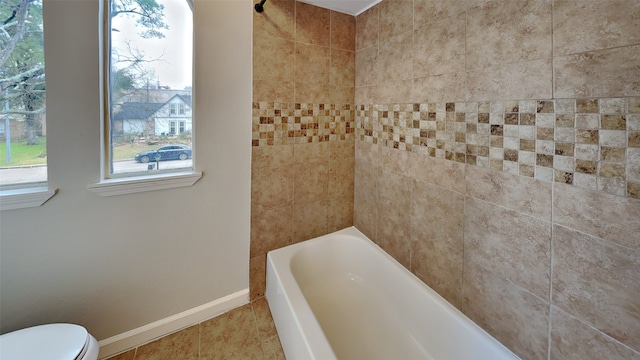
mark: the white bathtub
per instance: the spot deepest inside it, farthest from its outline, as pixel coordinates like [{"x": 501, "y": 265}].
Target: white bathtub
[{"x": 340, "y": 296}]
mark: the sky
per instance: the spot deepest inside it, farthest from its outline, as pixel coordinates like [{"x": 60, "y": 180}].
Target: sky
[{"x": 175, "y": 50}]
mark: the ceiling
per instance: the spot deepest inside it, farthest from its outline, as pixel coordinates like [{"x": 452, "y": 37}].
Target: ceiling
[{"x": 351, "y": 7}]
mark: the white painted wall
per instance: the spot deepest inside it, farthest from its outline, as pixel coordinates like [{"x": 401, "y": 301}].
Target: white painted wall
[{"x": 117, "y": 263}]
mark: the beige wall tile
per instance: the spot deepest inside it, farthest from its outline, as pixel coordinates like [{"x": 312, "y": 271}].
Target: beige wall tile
[
  {"x": 341, "y": 179},
  {"x": 588, "y": 25},
  {"x": 340, "y": 213},
  {"x": 273, "y": 90},
  {"x": 511, "y": 244},
  {"x": 603, "y": 73},
  {"x": 366, "y": 152},
  {"x": 343, "y": 64},
  {"x": 394, "y": 91},
  {"x": 571, "y": 339},
  {"x": 272, "y": 186},
  {"x": 366, "y": 94},
  {"x": 513, "y": 315},
  {"x": 439, "y": 88},
  {"x": 272, "y": 59},
  {"x": 365, "y": 198},
  {"x": 394, "y": 196},
  {"x": 310, "y": 219},
  {"x": 394, "y": 237},
  {"x": 366, "y": 181},
  {"x": 396, "y": 17},
  {"x": 309, "y": 92},
  {"x": 367, "y": 69},
  {"x": 365, "y": 215},
  {"x": 311, "y": 152},
  {"x": 367, "y": 28},
  {"x": 392, "y": 160},
  {"x": 530, "y": 196},
  {"x": 506, "y": 31},
  {"x": 342, "y": 150},
  {"x": 278, "y": 21},
  {"x": 396, "y": 57},
  {"x": 426, "y": 11},
  {"x": 598, "y": 281},
  {"x": 311, "y": 182},
  {"x": 312, "y": 24},
  {"x": 269, "y": 156},
  {"x": 439, "y": 266},
  {"x": 447, "y": 174},
  {"x": 519, "y": 80},
  {"x": 439, "y": 47},
  {"x": 437, "y": 214},
  {"x": 312, "y": 64},
  {"x": 343, "y": 31},
  {"x": 342, "y": 95},
  {"x": 257, "y": 276},
  {"x": 271, "y": 228},
  {"x": 607, "y": 216}
]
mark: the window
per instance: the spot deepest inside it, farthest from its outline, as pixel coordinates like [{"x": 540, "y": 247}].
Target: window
[
  {"x": 23, "y": 152},
  {"x": 148, "y": 51}
]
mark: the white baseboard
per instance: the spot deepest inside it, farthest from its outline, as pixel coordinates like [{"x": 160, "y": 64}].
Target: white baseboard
[{"x": 144, "y": 334}]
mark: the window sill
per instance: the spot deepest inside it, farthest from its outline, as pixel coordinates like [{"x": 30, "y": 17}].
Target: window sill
[
  {"x": 25, "y": 198},
  {"x": 137, "y": 184}
]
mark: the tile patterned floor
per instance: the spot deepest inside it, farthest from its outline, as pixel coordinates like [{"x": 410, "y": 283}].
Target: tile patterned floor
[{"x": 244, "y": 333}]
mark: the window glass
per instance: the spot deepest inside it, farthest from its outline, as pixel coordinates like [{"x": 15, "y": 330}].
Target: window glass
[
  {"x": 150, "y": 79},
  {"x": 23, "y": 151}
]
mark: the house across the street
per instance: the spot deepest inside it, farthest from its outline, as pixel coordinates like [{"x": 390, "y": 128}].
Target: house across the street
[{"x": 148, "y": 119}]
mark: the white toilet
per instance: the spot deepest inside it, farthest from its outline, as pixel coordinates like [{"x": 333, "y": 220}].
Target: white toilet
[{"x": 49, "y": 342}]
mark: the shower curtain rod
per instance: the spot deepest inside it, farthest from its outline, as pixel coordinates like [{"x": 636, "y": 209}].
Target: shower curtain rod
[{"x": 259, "y": 7}]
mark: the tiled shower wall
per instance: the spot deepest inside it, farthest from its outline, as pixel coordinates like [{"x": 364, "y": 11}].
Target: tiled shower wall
[
  {"x": 498, "y": 158},
  {"x": 303, "y": 128}
]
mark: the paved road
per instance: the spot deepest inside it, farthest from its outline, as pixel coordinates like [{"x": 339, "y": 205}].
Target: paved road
[{"x": 18, "y": 175}]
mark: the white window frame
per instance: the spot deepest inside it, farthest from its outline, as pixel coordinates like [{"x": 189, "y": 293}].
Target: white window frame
[
  {"x": 129, "y": 183},
  {"x": 26, "y": 195}
]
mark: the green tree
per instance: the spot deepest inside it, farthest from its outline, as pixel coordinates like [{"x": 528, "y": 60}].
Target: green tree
[
  {"x": 22, "y": 62},
  {"x": 22, "y": 78}
]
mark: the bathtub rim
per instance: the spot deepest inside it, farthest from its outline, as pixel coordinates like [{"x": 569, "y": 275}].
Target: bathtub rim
[{"x": 313, "y": 335}]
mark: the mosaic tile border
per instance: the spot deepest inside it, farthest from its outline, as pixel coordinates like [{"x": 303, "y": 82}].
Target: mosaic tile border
[
  {"x": 588, "y": 143},
  {"x": 282, "y": 123}
]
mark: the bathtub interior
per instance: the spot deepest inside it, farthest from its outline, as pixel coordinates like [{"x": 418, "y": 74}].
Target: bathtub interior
[{"x": 368, "y": 306}]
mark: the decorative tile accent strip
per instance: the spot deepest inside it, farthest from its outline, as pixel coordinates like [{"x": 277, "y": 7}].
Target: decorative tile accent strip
[
  {"x": 295, "y": 123},
  {"x": 589, "y": 143}
]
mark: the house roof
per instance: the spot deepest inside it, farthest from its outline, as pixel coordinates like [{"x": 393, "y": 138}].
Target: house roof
[
  {"x": 137, "y": 110},
  {"x": 144, "y": 110},
  {"x": 185, "y": 98}
]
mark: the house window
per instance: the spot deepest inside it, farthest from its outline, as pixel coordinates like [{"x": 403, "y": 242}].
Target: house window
[
  {"x": 23, "y": 151},
  {"x": 182, "y": 126},
  {"x": 148, "y": 58}
]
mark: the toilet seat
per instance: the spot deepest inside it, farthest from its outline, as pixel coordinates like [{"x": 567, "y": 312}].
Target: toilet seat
[{"x": 51, "y": 341}]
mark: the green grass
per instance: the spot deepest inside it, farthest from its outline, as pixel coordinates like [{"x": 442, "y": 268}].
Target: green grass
[{"x": 23, "y": 154}]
